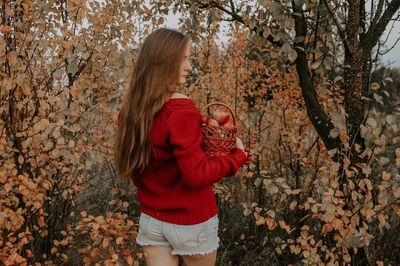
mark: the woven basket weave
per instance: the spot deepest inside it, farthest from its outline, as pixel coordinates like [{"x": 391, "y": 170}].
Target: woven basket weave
[{"x": 218, "y": 140}]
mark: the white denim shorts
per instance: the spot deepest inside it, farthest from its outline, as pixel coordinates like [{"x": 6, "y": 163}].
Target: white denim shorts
[{"x": 197, "y": 239}]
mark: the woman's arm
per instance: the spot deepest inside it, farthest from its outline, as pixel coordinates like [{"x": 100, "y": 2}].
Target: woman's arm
[{"x": 196, "y": 167}]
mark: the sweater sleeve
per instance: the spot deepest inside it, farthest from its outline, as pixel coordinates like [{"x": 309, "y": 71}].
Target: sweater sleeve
[{"x": 196, "y": 167}]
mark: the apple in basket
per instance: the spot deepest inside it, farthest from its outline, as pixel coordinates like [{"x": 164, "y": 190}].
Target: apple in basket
[
  {"x": 221, "y": 115},
  {"x": 212, "y": 122},
  {"x": 229, "y": 124},
  {"x": 204, "y": 119}
]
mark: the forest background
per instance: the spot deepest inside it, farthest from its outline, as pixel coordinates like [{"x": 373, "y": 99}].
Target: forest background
[{"x": 311, "y": 99}]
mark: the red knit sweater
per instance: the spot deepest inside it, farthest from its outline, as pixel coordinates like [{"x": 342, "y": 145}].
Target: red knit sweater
[{"x": 177, "y": 185}]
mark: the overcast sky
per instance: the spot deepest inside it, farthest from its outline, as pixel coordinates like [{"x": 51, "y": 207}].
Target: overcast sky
[{"x": 392, "y": 58}]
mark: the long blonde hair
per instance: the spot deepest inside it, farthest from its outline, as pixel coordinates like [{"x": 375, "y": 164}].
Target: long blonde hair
[{"x": 153, "y": 79}]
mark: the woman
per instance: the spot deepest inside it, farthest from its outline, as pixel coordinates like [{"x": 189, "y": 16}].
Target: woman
[{"x": 158, "y": 147}]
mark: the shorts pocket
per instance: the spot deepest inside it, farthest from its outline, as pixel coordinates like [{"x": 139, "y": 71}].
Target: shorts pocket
[
  {"x": 189, "y": 236},
  {"x": 210, "y": 230},
  {"x": 198, "y": 234}
]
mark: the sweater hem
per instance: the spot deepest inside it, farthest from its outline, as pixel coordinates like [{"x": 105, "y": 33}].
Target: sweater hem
[{"x": 182, "y": 217}]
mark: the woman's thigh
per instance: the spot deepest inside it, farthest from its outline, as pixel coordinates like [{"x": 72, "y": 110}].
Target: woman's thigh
[
  {"x": 201, "y": 260},
  {"x": 160, "y": 256}
]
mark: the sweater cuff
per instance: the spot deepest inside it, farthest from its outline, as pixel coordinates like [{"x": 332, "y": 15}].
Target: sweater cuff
[{"x": 239, "y": 158}]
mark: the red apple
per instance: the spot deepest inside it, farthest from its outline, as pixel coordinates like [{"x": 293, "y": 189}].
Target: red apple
[
  {"x": 229, "y": 124},
  {"x": 204, "y": 119},
  {"x": 212, "y": 122},
  {"x": 221, "y": 116}
]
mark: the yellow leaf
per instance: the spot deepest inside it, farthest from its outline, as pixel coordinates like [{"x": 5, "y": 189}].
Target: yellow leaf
[
  {"x": 71, "y": 144},
  {"x": 8, "y": 86},
  {"x": 20, "y": 159},
  {"x": 37, "y": 204},
  {"x": 129, "y": 260},
  {"x": 375, "y": 86},
  {"x": 26, "y": 90},
  {"x": 12, "y": 59},
  {"x": 41, "y": 221},
  {"x": 7, "y": 187},
  {"x": 109, "y": 263},
  {"x": 14, "y": 258},
  {"x": 396, "y": 192},
  {"x": 9, "y": 11},
  {"x": 386, "y": 175},
  {"x": 3, "y": 178},
  {"x": 64, "y": 256},
  {"x": 119, "y": 240},
  {"x": 382, "y": 220},
  {"x": 271, "y": 224},
  {"x": 96, "y": 226},
  {"x": 273, "y": 189},
  {"x": 278, "y": 250},
  {"x": 397, "y": 151},
  {"x": 368, "y": 184},
  {"x": 53, "y": 250}
]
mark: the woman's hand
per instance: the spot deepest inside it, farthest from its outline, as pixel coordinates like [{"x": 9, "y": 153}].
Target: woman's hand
[
  {"x": 239, "y": 145},
  {"x": 249, "y": 156}
]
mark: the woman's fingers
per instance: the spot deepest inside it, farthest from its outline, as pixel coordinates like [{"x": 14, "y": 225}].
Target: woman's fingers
[{"x": 239, "y": 144}]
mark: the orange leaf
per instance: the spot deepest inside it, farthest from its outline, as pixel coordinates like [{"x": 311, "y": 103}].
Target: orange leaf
[
  {"x": 41, "y": 221},
  {"x": 105, "y": 243}
]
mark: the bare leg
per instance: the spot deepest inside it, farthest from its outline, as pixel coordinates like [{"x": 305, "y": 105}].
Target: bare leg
[
  {"x": 201, "y": 260},
  {"x": 160, "y": 256}
]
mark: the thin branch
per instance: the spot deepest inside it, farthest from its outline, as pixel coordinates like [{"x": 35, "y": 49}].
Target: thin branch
[
  {"x": 377, "y": 14},
  {"x": 387, "y": 37},
  {"x": 385, "y": 207},
  {"x": 236, "y": 17},
  {"x": 372, "y": 12},
  {"x": 374, "y": 32},
  {"x": 363, "y": 19},
  {"x": 341, "y": 31},
  {"x": 232, "y": 6},
  {"x": 385, "y": 52}
]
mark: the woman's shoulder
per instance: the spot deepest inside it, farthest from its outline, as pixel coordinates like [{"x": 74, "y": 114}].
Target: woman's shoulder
[
  {"x": 179, "y": 100},
  {"x": 177, "y": 95}
]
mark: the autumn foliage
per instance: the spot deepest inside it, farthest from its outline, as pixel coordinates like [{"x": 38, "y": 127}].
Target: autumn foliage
[{"x": 63, "y": 67}]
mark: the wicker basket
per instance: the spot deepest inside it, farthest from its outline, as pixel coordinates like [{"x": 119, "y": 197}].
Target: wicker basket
[{"x": 218, "y": 140}]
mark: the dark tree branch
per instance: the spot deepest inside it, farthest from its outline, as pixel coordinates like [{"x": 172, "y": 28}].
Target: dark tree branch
[
  {"x": 385, "y": 52},
  {"x": 316, "y": 113},
  {"x": 372, "y": 11},
  {"x": 376, "y": 31},
  {"x": 232, "y": 6},
  {"x": 384, "y": 41},
  {"x": 352, "y": 24},
  {"x": 236, "y": 17},
  {"x": 377, "y": 14},
  {"x": 363, "y": 19}
]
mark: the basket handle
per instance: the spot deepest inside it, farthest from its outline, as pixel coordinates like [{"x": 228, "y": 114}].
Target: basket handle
[{"x": 219, "y": 103}]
